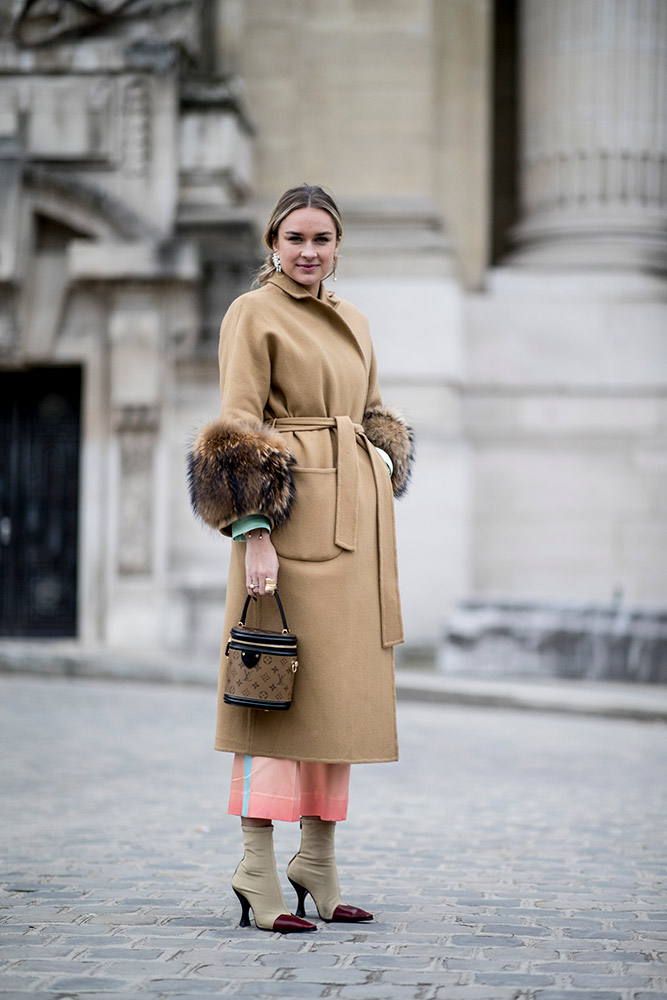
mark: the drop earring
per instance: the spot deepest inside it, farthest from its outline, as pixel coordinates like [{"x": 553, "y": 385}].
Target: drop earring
[
  {"x": 275, "y": 257},
  {"x": 335, "y": 263}
]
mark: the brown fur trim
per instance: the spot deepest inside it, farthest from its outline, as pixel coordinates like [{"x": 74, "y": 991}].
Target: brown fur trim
[
  {"x": 386, "y": 428},
  {"x": 236, "y": 468}
]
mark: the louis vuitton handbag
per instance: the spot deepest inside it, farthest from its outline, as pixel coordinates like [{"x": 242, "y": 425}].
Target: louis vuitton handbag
[{"x": 261, "y": 665}]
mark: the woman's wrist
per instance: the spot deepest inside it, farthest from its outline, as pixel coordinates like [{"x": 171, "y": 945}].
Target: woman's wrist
[
  {"x": 257, "y": 534},
  {"x": 249, "y": 523},
  {"x": 258, "y": 537}
]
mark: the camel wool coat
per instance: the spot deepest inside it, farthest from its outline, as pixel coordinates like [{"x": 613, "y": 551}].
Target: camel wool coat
[{"x": 301, "y": 414}]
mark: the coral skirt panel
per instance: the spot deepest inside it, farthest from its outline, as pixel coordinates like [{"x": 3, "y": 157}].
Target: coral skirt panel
[{"x": 272, "y": 788}]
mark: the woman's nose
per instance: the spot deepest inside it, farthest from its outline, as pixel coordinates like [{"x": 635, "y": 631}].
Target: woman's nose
[{"x": 308, "y": 250}]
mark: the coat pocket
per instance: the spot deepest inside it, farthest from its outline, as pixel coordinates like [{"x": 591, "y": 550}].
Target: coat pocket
[{"x": 309, "y": 532}]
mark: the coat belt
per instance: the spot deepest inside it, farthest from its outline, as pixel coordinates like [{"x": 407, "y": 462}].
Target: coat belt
[{"x": 347, "y": 509}]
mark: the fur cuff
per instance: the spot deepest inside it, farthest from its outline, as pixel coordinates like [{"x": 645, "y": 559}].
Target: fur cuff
[
  {"x": 386, "y": 428},
  {"x": 237, "y": 468}
]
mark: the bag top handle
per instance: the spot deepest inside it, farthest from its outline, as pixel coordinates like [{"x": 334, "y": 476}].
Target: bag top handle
[{"x": 280, "y": 608}]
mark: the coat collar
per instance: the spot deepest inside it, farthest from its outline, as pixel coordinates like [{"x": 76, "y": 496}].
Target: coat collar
[
  {"x": 325, "y": 299},
  {"x": 297, "y": 291}
]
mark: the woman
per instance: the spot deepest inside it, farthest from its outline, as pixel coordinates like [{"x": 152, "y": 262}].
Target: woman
[{"x": 299, "y": 470}]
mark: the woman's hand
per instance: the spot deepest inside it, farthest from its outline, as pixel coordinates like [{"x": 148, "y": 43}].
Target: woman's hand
[{"x": 261, "y": 562}]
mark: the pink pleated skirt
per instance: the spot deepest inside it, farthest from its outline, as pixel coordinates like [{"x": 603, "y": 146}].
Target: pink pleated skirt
[{"x": 271, "y": 788}]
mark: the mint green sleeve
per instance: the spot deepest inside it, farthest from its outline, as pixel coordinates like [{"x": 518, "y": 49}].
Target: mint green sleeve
[
  {"x": 386, "y": 459},
  {"x": 248, "y": 523}
]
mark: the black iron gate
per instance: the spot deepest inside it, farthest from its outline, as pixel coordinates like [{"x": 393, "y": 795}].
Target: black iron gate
[{"x": 39, "y": 500}]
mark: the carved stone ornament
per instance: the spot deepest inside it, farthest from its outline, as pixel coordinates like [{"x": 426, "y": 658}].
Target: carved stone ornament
[
  {"x": 136, "y": 128},
  {"x": 41, "y": 22},
  {"x": 135, "y": 502},
  {"x": 9, "y": 327},
  {"x": 135, "y": 418}
]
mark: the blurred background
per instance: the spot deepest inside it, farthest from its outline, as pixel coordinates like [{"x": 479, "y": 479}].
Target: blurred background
[{"x": 502, "y": 171}]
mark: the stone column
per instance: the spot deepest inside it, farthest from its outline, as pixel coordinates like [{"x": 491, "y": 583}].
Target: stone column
[{"x": 593, "y": 140}]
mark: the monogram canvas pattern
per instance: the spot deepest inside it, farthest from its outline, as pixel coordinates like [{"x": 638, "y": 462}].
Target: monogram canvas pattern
[{"x": 270, "y": 680}]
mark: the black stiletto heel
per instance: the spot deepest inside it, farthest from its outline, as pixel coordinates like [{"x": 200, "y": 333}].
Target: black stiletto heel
[
  {"x": 301, "y": 894},
  {"x": 245, "y": 909}
]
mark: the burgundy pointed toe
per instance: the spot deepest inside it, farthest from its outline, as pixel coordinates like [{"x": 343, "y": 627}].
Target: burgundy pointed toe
[
  {"x": 287, "y": 923},
  {"x": 345, "y": 914}
]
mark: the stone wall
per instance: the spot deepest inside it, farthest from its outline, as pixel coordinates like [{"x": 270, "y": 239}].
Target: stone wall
[
  {"x": 518, "y": 309},
  {"x": 127, "y": 165},
  {"x": 566, "y": 410}
]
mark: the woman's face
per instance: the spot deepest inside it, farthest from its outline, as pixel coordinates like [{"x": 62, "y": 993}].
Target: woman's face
[{"x": 307, "y": 243}]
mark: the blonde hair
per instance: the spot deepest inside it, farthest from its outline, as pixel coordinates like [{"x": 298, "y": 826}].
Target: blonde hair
[{"x": 304, "y": 196}]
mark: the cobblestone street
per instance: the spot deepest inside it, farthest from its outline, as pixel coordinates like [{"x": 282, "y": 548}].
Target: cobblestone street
[{"x": 508, "y": 855}]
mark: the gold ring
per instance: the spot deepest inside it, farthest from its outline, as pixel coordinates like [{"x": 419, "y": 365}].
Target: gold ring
[{"x": 274, "y": 582}]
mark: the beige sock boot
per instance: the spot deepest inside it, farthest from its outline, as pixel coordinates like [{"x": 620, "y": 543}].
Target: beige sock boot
[
  {"x": 313, "y": 870},
  {"x": 256, "y": 884}
]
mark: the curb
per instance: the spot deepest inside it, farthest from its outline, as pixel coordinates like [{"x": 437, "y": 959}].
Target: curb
[{"x": 604, "y": 699}]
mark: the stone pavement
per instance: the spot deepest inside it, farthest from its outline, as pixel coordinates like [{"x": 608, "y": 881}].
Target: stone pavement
[{"x": 508, "y": 855}]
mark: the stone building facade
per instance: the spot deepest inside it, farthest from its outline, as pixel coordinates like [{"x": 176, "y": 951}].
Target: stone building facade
[{"x": 502, "y": 168}]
